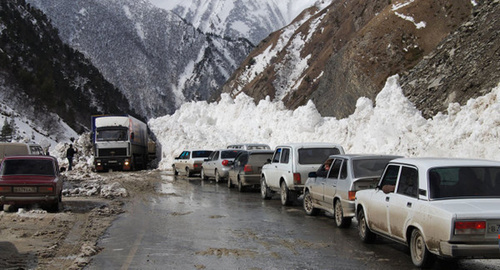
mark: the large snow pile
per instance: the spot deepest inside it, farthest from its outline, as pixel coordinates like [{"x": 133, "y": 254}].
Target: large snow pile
[{"x": 392, "y": 126}]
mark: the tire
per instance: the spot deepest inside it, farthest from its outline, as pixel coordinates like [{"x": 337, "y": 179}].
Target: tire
[
  {"x": 340, "y": 220},
  {"x": 286, "y": 195},
  {"x": 188, "y": 172},
  {"x": 420, "y": 255},
  {"x": 365, "y": 234},
  {"x": 241, "y": 188},
  {"x": 217, "y": 177},
  {"x": 308, "y": 205},
  {"x": 265, "y": 192},
  {"x": 175, "y": 170},
  {"x": 56, "y": 206},
  {"x": 229, "y": 183},
  {"x": 202, "y": 175}
]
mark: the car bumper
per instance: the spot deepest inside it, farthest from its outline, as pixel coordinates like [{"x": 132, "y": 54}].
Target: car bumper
[
  {"x": 27, "y": 199},
  {"x": 491, "y": 251},
  {"x": 348, "y": 208},
  {"x": 250, "y": 179}
]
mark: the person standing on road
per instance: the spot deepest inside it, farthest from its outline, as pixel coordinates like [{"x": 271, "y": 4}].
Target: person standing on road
[{"x": 70, "y": 153}]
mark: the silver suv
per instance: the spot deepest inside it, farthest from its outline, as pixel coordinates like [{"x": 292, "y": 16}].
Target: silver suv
[{"x": 288, "y": 169}]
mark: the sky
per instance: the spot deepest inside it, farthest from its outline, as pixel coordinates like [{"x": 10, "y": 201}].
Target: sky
[{"x": 393, "y": 126}]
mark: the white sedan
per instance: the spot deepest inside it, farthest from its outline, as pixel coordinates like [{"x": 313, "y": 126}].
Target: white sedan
[{"x": 448, "y": 208}]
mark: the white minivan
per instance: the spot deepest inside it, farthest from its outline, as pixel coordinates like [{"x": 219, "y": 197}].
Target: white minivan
[
  {"x": 19, "y": 149},
  {"x": 287, "y": 171}
]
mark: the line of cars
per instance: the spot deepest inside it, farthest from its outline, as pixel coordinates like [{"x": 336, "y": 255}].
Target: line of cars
[{"x": 439, "y": 207}]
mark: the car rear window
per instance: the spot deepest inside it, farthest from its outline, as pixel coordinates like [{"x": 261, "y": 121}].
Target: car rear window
[
  {"x": 316, "y": 155},
  {"x": 200, "y": 154},
  {"x": 453, "y": 182},
  {"x": 369, "y": 167},
  {"x": 27, "y": 167},
  {"x": 229, "y": 154},
  {"x": 260, "y": 158}
]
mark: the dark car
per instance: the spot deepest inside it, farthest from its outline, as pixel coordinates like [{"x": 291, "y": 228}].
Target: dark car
[
  {"x": 27, "y": 180},
  {"x": 247, "y": 167}
]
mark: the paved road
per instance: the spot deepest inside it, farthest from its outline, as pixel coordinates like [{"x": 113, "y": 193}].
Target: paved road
[{"x": 194, "y": 224}]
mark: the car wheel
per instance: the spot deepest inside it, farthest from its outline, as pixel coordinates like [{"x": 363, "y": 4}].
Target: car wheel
[
  {"x": 202, "y": 175},
  {"x": 175, "y": 170},
  {"x": 340, "y": 220},
  {"x": 286, "y": 195},
  {"x": 229, "y": 183},
  {"x": 188, "y": 172},
  {"x": 420, "y": 255},
  {"x": 217, "y": 177},
  {"x": 365, "y": 234},
  {"x": 265, "y": 192},
  {"x": 308, "y": 204},
  {"x": 241, "y": 188}
]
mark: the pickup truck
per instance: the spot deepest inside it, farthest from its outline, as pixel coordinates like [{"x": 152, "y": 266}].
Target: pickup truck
[
  {"x": 436, "y": 206},
  {"x": 289, "y": 167}
]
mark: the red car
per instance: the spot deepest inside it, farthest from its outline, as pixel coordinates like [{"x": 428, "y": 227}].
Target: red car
[{"x": 26, "y": 180}]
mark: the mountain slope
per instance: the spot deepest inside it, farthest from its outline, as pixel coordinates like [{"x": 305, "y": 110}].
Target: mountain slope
[
  {"x": 43, "y": 79},
  {"x": 345, "y": 51},
  {"x": 154, "y": 57},
  {"x": 253, "y": 20}
]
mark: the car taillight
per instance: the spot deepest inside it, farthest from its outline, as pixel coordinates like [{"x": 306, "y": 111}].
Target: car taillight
[
  {"x": 46, "y": 189},
  {"x": 5, "y": 189},
  {"x": 247, "y": 168},
  {"x": 352, "y": 195},
  {"x": 196, "y": 165},
  {"x": 470, "y": 227},
  {"x": 225, "y": 162},
  {"x": 296, "y": 178}
]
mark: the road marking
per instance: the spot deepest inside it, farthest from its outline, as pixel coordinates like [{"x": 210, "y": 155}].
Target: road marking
[{"x": 133, "y": 250}]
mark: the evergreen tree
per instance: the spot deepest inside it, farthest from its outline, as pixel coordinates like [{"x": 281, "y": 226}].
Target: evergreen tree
[{"x": 6, "y": 133}]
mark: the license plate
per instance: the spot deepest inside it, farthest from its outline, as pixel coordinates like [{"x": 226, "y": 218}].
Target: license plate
[
  {"x": 494, "y": 228},
  {"x": 24, "y": 189}
]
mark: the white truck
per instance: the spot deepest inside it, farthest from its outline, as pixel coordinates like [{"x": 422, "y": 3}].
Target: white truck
[
  {"x": 120, "y": 143},
  {"x": 287, "y": 171}
]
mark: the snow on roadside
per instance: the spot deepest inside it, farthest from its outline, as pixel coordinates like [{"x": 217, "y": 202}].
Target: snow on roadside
[{"x": 392, "y": 126}]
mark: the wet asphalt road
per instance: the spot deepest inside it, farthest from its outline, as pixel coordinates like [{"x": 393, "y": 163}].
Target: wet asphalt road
[{"x": 194, "y": 224}]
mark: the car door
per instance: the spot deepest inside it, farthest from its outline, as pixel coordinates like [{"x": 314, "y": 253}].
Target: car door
[
  {"x": 377, "y": 211},
  {"x": 403, "y": 201},
  {"x": 284, "y": 168},
  {"x": 316, "y": 188},
  {"x": 272, "y": 168},
  {"x": 209, "y": 165},
  {"x": 239, "y": 164},
  {"x": 179, "y": 161},
  {"x": 330, "y": 184}
]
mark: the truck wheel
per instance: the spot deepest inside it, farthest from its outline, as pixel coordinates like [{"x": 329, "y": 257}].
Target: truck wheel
[
  {"x": 265, "y": 192},
  {"x": 308, "y": 204},
  {"x": 420, "y": 255},
  {"x": 340, "y": 220},
  {"x": 286, "y": 195},
  {"x": 365, "y": 234}
]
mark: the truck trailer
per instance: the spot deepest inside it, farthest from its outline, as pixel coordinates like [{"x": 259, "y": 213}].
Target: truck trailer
[{"x": 120, "y": 143}]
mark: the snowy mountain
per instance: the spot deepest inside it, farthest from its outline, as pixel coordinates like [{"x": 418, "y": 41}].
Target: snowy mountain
[
  {"x": 154, "y": 57},
  {"x": 47, "y": 90},
  {"x": 250, "y": 19},
  {"x": 346, "y": 51}
]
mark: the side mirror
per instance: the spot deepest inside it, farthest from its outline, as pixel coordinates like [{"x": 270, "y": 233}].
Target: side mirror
[{"x": 312, "y": 175}]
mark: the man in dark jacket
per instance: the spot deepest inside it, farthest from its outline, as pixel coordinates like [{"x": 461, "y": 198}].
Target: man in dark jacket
[{"x": 70, "y": 153}]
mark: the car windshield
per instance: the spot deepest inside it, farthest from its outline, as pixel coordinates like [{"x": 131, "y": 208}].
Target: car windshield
[
  {"x": 27, "y": 167},
  {"x": 201, "y": 154},
  {"x": 459, "y": 182},
  {"x": 369, "y": 167},
  {"x": 111, "y": 135},
  {"x": 229, "y": 154},
  {"x": 316, "y": 155}
]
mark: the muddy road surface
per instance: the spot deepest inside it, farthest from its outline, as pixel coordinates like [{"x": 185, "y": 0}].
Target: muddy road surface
[{"x": 187, "y": 223}]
